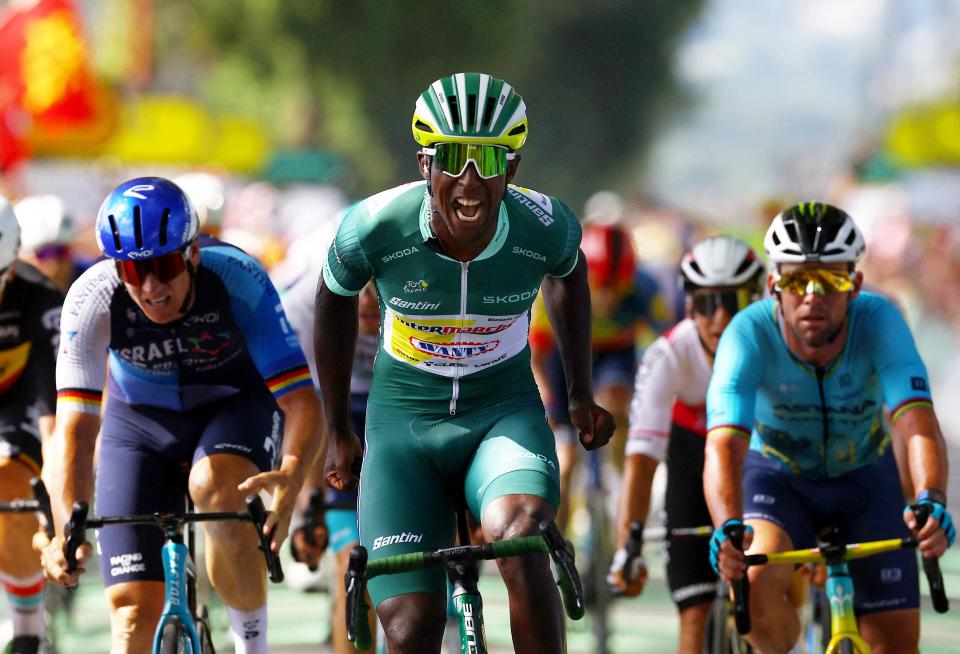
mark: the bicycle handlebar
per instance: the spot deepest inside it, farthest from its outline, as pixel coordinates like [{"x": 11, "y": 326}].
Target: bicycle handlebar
[
  {"x": 258, "y": 515},
  {"x": 561, "y": 551},
  {"x": 39, "y": 504},
  {"x": 75, "y": 530},
  {"x": 741, "y": 587},
  {"x": 43, "y": 503},
  {"x": 355, "y": 581},
  {"x": 632, "y": 547},
  {"x": 931, "y": 567},
  {"x": 549, "y": 541},
  {"x": 75, "y": 533}
]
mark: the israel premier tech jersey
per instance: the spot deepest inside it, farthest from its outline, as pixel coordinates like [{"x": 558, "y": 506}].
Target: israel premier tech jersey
[
  {"x": 451, "y": 331},
  {"x": 234, "y": 336},
  {"x": 816, "y": 422}
]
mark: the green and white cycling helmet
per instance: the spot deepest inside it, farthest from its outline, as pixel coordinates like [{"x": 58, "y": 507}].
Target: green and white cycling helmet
[
  {"x": 470, "y": 108},
  {"x": 813, "y": 231}
]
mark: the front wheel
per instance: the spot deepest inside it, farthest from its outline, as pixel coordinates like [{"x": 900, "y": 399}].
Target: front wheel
[
  {"x": 175, "y": 639},
  {"x": 720, "y": 633},
  {"x": 846, "y": 647},
  {"x": 203, "y": 631}
]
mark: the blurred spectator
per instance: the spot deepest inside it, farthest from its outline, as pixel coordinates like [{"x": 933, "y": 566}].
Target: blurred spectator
[{"x": 46, "y": 238}]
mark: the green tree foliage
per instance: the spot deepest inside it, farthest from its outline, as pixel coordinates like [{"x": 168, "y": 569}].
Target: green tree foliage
[{"x": 344, "y": 75}]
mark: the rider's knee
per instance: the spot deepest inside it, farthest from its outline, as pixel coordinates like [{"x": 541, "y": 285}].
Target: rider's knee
[
  {"x": 513, "y": 516},
  {"x": 213, "y": 484},
  {"x": 134, "y": 606},
  {"x": 410, "y": 628}
]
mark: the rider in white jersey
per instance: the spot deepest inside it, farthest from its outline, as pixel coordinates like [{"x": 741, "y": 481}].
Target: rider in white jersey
[{"x": 720, "y": 275}]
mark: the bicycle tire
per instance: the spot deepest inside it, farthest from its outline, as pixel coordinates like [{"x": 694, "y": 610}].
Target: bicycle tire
[
  {"x": 846, "y": 647},
  {"x": 720, "y": 632},
  {"x": 175, "y": 639},
  {"x": 600, "y": 548},
  {"x": 203, "y": 631}
]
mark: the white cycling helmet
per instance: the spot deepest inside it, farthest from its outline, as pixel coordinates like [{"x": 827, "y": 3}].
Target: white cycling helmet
[
  {"x": 9, "y": 234},
  {"x": 721, "y": 261},
  {"x": 813, "y": 231},
  {"x": 43, "y": 221}
]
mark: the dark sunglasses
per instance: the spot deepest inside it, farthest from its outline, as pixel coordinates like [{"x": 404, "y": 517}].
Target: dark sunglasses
[
  {"x": 165, "y": 268},
  {"x": 706, "y": 303}
]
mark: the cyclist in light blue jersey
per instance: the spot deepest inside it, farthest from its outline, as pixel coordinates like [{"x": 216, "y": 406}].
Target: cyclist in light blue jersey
[{"x": 795, "y": 414}]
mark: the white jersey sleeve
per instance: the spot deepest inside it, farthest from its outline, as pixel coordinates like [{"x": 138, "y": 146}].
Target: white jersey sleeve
[
  {"x": 675, "y": 369},
  {"x": 654, "y": 392},
  {"x": 84, "y": 339},
  {"x": 298, "y": 304}
]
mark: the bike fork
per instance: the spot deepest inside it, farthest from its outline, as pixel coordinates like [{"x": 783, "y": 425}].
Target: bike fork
[
  {"x": 177, "y": 566},
  {"x": 468, "y": 607}
]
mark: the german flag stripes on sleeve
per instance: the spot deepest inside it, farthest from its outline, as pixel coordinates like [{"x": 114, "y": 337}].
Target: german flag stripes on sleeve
[
  {"x": 289, "y": 380},
  {"x": 79, "y": 399}
]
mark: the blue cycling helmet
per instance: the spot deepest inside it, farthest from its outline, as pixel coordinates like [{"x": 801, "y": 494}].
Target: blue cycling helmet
[{"x": 144, "y": 218}]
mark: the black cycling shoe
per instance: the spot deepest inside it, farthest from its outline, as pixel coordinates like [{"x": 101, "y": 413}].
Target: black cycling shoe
[{"x": 24, "y": 645}]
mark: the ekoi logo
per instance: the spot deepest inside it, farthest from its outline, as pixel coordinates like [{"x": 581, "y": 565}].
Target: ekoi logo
[{"x": 454, "y": 351}]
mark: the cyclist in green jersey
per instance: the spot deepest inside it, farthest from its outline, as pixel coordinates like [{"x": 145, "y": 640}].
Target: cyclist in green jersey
[{"x": 453, "y": 410}]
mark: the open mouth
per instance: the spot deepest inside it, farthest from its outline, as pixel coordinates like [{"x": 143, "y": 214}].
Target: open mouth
[
  {"x": 467, "y": 210},
  {"x": 160, "y": 302}
]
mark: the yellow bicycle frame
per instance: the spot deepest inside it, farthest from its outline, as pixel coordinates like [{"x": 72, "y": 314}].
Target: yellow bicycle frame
[{"x": 839, "y": 588}]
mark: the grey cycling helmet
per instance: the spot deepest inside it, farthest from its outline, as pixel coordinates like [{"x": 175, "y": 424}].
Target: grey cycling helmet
[{"x": 813, "y": 231}]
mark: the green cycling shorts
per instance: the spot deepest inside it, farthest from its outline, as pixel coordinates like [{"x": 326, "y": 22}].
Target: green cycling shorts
[{"x": 415, "y": 461}]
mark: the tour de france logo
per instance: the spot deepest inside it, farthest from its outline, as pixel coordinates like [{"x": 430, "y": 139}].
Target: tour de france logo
[{"x": 416, "y": 286}]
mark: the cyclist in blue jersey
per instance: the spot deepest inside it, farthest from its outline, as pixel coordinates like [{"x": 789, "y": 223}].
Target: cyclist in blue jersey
[
  {"x": 797, "y": 439},
  {"x": 209, "y": 393},
  {"x": 458, "y": 260}
]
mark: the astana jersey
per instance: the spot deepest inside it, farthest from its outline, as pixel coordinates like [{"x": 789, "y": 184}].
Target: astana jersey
[
  {"x": 451, "y": 332},
  {"x": 816, "y": 422}
]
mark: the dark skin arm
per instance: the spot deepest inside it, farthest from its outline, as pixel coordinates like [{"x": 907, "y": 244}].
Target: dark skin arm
[
  {"x": 335, "y": 335},
  {"x": 567, "y": 300}
]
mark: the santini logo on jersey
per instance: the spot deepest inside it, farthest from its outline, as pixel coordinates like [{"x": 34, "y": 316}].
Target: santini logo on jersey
[
  {"x": 399, "y": 254},
  {"x": 532, "y": 205},
  {"x": 455, "y": 351},
  {"x": 406, "y": 304},
  {"x": 405, "y": 537}
]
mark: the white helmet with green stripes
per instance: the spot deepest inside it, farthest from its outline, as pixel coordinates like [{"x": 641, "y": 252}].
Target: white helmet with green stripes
[{"x": 470, "y": 108}]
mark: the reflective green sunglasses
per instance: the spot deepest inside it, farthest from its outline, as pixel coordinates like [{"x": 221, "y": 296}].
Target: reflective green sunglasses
[{"x": 452, "y": 158}]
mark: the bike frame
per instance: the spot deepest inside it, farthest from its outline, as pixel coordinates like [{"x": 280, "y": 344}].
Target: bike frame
[
  {"x": 461, "y": 565},
  {"x": 839, "y": 585},
  {"x": 178, "y": 569}
]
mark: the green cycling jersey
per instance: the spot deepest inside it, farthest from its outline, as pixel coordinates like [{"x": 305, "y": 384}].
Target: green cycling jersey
[{"x": 451, "y": 332}]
